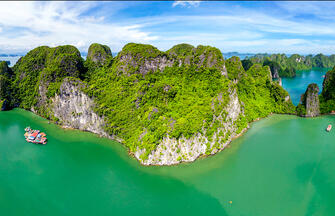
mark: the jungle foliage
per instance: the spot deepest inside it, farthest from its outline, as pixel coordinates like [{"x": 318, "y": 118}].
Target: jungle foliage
[{"x": 180, "y": 99}]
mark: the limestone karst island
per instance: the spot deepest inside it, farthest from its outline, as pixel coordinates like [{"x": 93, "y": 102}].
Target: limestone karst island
[{"x": 167, "y": 108}]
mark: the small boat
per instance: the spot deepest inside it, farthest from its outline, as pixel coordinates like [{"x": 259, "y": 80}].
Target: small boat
[{"x": 329, "y": 128}]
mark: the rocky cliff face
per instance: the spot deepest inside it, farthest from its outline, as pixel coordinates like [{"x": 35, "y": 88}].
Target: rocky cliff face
[
  {"x": 151, "y": 113},
  {"x": 139, "y": 58},
  {"x": 275, "y": 73},
  {"x": 50, "y": 85},
  {"x": 202, "y": 56},
  {"x": 173, "y": 151},
  {"x": 38, "y": 74},
  {"x": 74, "y": 108},
  {"x": 310, "y": 101},
  {"x": 129, "y": 63}
]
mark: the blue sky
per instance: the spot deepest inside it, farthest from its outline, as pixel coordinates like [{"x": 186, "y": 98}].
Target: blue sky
[{"x": 273, "y": 27}]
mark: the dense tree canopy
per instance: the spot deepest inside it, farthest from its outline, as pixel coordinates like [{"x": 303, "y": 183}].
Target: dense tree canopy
[{"x": 145, "y": 94}]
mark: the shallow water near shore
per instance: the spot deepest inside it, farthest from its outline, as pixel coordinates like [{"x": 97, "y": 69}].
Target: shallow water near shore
[{"x": 283, "y": 165}]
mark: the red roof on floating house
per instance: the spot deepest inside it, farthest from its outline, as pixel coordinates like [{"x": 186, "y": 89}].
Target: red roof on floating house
[{"x": 34, "y": 134}]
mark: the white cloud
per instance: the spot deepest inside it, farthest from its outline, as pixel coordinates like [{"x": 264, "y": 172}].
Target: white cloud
[
  {"x": 186, "y": 3},
  {"x": 321, "y": 9},
  {"x": 241, "y": 29},
  {"x": 57, "y": 23},
  {"x": 26, "y": 25}
]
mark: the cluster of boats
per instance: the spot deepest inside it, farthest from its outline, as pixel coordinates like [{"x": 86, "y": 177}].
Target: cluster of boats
[{"x": 35, "y": 136}]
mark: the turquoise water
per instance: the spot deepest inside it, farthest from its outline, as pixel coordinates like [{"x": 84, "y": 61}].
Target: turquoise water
[
  {"x": 297, "y": 86},
  {"x": 283, "y": 165}
]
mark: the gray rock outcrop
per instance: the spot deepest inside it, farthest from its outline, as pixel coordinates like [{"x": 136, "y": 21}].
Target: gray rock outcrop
[
  {"x": 74, "y": 108},
  {"x": 275, "y": 73},
  {"x": 310, "y": 101},
  {"x": 139, "y": 58},
  {"x": 173, "y": 151},
  {"x": 129, "y": 61}
]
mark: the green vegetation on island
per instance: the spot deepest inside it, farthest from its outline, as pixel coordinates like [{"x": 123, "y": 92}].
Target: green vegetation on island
[
  {"x": 99, "y": 54},
  {"x": 312, "y": 103},
  {"x": 39, "y": 74},
  {"x": 143, "y": 106},
  {"x": 145, "y": 95},
  {"x": 6, "y": 74},
  {"x": 261, "y": 96},
  {"x": 283, "y": 66},
  {"x": 327, "y": 97}
]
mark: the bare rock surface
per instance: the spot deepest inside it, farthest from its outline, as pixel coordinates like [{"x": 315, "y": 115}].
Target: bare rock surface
[
  {"x": 75, "y": 109},
  {"x": 173, "y": 151}
]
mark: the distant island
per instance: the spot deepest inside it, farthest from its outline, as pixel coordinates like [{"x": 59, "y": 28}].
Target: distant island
[
  {"x": 10, "y": 55},
  {"x": 84, "y": 54},
  {"x": 237, "y": 54},
  {"x": 283, "y": 65},
  {"x": 165, "y": 107}
]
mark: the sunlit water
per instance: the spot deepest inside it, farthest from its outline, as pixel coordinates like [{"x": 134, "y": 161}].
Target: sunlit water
[
  {"x": 297, "y": 86},
  {"x": 283, "y": 165}
]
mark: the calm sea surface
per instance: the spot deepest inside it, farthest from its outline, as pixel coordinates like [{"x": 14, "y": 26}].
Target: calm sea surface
[
  {"x": 297, "y": 86},
  {"x": 283, "y": 165}
]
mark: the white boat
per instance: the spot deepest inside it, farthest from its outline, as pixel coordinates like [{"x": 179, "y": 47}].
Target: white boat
[{"x": 329, "y": 128}]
